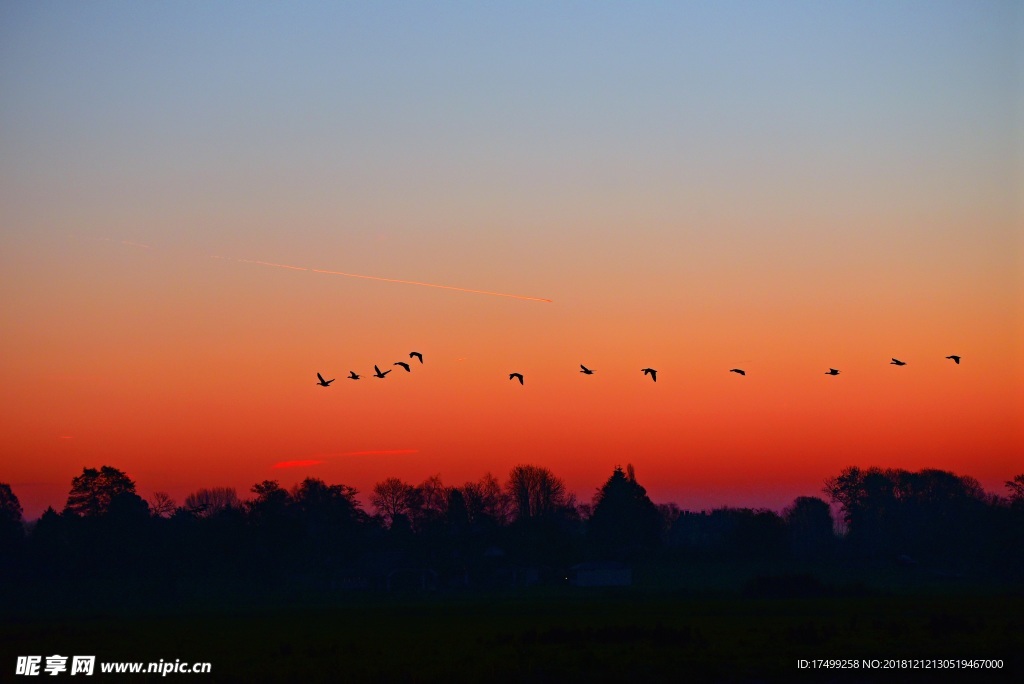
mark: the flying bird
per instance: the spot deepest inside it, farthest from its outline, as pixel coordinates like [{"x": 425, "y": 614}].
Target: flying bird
[
  {"x": 403, "y": 364},
  {"x": 955, "y": 358},
  {"x": 416, "y": 355},
  {"x": 831, "y": 371},
  {"x": 897, "y": 362},
  {"x": 650, "y": 371},
  {"x": 378, "y": 374},
  {"x": 586, "y": 370},
  {"x": 352, "y": 375},
  {"x": 738, "y": 370},
  {"x": 516, "y": 376},
  {"x": 324, "y": 383}
]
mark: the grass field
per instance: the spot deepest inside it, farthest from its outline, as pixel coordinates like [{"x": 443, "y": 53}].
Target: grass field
[
  {"x": 554, "y": 634},
  {"x": 548, "y": 639}
]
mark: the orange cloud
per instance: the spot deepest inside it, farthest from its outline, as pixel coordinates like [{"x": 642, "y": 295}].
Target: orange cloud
[{"x": 296, "y": 464}]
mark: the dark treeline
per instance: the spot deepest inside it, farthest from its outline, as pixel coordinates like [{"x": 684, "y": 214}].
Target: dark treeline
[{"x": 108, "y": 542}]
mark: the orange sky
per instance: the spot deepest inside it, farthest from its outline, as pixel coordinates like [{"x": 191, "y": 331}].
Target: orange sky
[
  {"x": 209, "y": 380},
  {"x": 695, "y": 189}
]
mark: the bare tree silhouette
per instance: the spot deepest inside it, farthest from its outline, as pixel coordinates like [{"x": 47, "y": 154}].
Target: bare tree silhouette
[
  {"x": 1016, "y": 487},
  {"x": 535, "y": 492},
  {"x": 206, "y": 503},
  {"x": 392, "y": 497},
  {"x": 162, "y": 505}
]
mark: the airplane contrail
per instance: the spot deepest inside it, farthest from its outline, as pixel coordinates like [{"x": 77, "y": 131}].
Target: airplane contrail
[
  {"x": 129, "y": 243},
  {"x": 443, "y": 287},
  {"x": 270, "y": 263},
  {"x": 260, "y": 263},
  {"x": 364, "y": 277}
]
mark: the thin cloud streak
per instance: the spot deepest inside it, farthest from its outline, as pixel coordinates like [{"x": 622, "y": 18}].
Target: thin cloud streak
[
  {"x": 442, "y": 287},
  {"x": 129, "y": 243},
  {"x": 270, "y": 263},
  {"x": 296, "y": 464},
  {"x": 364, "y": 277}
]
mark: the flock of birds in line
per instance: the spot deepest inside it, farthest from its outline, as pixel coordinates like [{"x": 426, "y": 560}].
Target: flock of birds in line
[{"x": 378, "y": 373}]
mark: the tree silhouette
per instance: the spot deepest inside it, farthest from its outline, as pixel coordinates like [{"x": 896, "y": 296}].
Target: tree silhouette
[
  {"x": 50, "y": 545},
  {"x": 315, "y": 537},
  {"x": 624, "y": 517},
  {"x": 330, "y": 525},
  {"x": 545, "y": 526},
  {"x": 1016, "y": 487},
  {"x": 730, "y": 533},
  {"x": 930, "y": 512},
  {"x": 10, "y": 507},
  {"x": 206, "y": 503},
  {"x": 328, "y": 512},
  {"x": 12, "y": 531},
  {"x": 1009, "y": 552},
  {"x": 456, "y": 517},
  {"x": 811, "y": 533},
  {"x": 92, "y": 491},
  {"x": 271, "y": 513},
  {"x": 535, "y": 492},
  {"x": 128, "y": 508},
  {"x": 392, "y": 497},
  {"x": 485, "y": 500},
  {"x": 433, "y": 500},
  {"x": 271, "y": 502},
  {"x": 757, "y": 533},
  {"x": 162, "y": 505}
]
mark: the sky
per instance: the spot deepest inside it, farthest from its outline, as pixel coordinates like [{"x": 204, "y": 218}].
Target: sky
[{"x": 782, "y": 187}]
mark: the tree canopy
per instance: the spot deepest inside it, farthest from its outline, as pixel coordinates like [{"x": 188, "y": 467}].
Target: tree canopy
[
  {"x": 93, "y": 491},
  {"x": 624, "y": 516}
]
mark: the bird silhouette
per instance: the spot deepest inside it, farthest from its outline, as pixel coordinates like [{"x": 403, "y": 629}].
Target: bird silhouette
[
  {"x": 650, "y": 371},
  {"x": 956, "y": 359},
  {"x": 352, "y": 375},
  {"x": 378, "y": 374},
  {"x": 516, "y": 376},
  {"x": 324, "y": 383},
  {"x": 831, "y": 371},
  {"x": 738, "y": 370},
  {"x": 416, "y": 355},
  {"x": 403, "y": 364},
  {"x": 586, "y": 370},
  {"x": 897, "y": 362}
]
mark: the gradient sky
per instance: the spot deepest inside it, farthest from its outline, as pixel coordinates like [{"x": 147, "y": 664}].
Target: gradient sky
[{"x": 778, "y": 186}]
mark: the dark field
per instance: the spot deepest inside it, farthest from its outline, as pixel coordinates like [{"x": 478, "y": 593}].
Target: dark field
[{"x": 722, "y": 628}]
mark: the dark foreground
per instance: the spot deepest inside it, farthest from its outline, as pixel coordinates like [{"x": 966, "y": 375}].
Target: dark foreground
[{"x": 548, "y": 635}]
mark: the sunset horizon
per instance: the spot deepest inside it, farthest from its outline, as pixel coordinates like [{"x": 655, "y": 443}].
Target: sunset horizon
[
  {"x": 516, "y": 341},
  {"x": 204, "y": 207}
]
